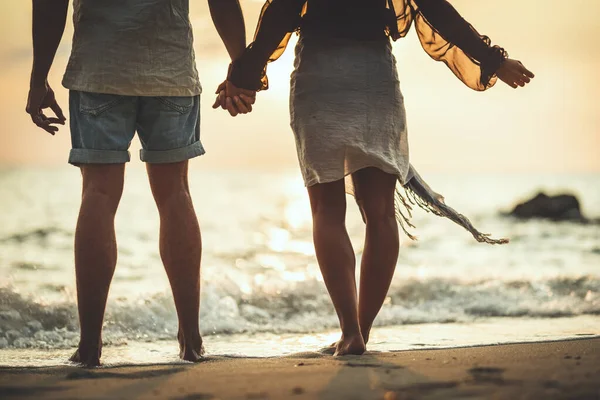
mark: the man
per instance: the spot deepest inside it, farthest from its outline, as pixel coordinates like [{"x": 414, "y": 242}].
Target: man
[{"x": 131, "y": 69}]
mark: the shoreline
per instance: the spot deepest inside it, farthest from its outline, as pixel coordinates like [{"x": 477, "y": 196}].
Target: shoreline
[
  {"x": 564, "y": 369},
  {"x": 428, "y": 336}
]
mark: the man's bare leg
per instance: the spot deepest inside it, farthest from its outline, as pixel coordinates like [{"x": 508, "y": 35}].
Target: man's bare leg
[
  {"x": 180, "y": 250},
  {"x": 95, "y": 254},
  {"x": 336, "y": 260},
  {"x": 375, "y": 193}
]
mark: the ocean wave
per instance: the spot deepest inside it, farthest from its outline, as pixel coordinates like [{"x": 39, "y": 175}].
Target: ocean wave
[
  {"x": 299, "y": 308},
  {"x": 36, "y": 235}
]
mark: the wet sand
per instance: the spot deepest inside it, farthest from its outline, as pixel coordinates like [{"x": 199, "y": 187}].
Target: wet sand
[{"x": 549, "y": 370}]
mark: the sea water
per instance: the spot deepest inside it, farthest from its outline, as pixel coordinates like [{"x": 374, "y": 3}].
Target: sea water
[{"x": 262, "y": 291}]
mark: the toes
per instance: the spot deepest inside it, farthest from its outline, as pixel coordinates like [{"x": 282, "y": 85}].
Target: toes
[
  {"x": 350, "y": 346},
  {"x": 327, "y": 350},
  {"x": 75, "y": 357},
  {"x": 85, "y": 361},
  {"x": 330, "y": 350},
  {"x": 192, "y": 355}
]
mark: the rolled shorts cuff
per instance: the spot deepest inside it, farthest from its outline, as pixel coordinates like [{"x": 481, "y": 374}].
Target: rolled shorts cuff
[
  {"x": 172, "y": 156},
  {"x": 91, "y": 156}
]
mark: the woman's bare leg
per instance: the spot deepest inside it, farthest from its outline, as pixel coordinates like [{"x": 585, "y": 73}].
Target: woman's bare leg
[
  {"x": 336, "y": 260},
  {"x": 375, "y": 195}
]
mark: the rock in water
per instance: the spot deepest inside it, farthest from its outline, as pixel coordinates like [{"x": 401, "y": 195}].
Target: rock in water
[{"x": 563, "y": 207}]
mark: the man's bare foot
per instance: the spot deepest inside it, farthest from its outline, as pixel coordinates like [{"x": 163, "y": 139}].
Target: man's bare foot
[
  {"x": 350, "y": 345},
  {"x": 190, "y": 350},
  {"x": 193, "y": 355},
  {"x": 87, "y": 356}
]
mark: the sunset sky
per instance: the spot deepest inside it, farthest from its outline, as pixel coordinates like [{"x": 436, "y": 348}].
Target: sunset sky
[{"x": 550, "y": 126}]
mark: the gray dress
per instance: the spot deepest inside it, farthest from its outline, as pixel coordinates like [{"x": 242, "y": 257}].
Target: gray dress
[{"x": 347, "y": 111}]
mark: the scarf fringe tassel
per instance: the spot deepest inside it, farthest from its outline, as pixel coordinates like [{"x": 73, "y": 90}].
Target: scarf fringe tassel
[{"x": 418, "y": 193}]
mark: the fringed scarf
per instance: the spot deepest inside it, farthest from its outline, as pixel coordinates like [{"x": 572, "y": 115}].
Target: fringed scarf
[{"x": 417, "y": 192}]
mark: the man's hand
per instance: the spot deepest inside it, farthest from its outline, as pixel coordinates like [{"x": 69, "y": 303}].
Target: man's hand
[
  {"x": 514, "y": 74},
  {"x": 234, "y": 99},
  {"x": 42, "y": 97},
  {"x": 49, "y": 19}
]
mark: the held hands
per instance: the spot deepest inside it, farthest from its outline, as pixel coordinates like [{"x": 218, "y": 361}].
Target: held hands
[
  {"x": 41, "y": 97},
  {"x": 234, "y": 99},
  {"x": 514, "y": 74}
]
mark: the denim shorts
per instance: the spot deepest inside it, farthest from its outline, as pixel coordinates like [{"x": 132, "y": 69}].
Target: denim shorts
[{"x": 103, "y": 125}]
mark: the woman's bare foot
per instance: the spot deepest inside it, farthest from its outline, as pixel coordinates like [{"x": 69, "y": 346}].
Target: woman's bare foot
[
  {"x": 333, "y": 347},
  {"x": 366, "y": 335},
  {"x": 329, "y": 349},
  {"x": 350, "y": 345},
  {"x": 190, "y": 349},
  {"x": 87, "y": 356}
]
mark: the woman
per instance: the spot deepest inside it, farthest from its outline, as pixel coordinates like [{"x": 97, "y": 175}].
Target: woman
[{"x": 347, "y": 114}]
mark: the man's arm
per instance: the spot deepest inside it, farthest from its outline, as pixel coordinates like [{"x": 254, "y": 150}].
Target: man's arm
[
  {"x": 49, "y": 20},
  {"x": 229, "y": 21}
]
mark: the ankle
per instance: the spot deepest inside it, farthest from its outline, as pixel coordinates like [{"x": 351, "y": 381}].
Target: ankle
[
  {"x": 189, "y": 337},
  {"x": 90, "y": 343},
  {"x": 346, "y": 333},
  {"x": 366, "y": 331}
]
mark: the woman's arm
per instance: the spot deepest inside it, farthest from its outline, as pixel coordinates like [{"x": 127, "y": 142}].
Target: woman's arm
[
  {"x": 448, "y": 23},
  {"x": 447, "y": 37},
  {"x": 444, "y": 18},
  {"x": 280, "y": 18}
]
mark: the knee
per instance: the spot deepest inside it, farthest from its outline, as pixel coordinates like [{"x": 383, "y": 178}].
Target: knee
[
  {"x": 169, "y": 183},
  {"x": 378, "y": 212},
  {"x": 329, "y": 211},
  {"x": 172, "y": 197},
  {"x": 102, "y": 197},
  {"x": 103, "y": 184}
]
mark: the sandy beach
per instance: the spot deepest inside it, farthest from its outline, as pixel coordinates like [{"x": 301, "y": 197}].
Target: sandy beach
[{"x": 548, "y": 370}]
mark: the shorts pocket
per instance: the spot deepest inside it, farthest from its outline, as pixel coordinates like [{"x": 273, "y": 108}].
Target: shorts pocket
[
  {"x": 95, "y": 104},
  {"x": 181, "y": 104}
]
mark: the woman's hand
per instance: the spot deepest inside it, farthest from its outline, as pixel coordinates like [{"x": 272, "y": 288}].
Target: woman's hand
[
  {"x": 514, "y": 74},
  {"x": 233, "y": 99}
]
